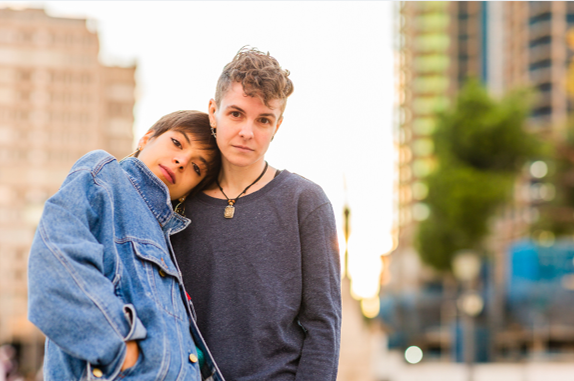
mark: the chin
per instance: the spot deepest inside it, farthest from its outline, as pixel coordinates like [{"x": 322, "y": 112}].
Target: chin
[{"x": 242, "y": 161}]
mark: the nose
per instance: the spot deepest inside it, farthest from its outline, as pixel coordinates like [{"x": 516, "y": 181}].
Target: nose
[
  {"x": 180, "y": 161},
  {"x": 246, "y": 131}
]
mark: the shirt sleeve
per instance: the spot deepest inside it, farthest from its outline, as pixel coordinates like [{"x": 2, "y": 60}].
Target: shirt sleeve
[
  {"x": 70, "y": 299},
  {"x": 320, "y": 314}
]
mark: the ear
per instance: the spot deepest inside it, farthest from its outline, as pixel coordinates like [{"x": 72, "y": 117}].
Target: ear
[
  {"x": 212, "y": 109},
  {"x": 144, "y": 140}
]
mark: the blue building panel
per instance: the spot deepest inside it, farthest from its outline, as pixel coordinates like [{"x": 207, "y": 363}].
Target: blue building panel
[{"x": 535, "y": 282}]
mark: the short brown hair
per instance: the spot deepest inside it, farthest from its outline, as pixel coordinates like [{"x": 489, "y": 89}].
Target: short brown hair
[
  {"x": 196, "y": 124},
  {"x": 259, "y": 74}
]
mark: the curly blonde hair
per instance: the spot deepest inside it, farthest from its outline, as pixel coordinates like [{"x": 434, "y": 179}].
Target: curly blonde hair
[{"x": 259, "y": 74}]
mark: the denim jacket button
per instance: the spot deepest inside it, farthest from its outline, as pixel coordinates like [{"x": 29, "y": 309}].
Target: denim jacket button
[
  {"x": 161, "y": 273},
  {"x": 193, "y": 358},
  {"x": 97, "y": 372}
]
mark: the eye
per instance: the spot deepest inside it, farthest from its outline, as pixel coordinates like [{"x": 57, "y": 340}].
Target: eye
[
  {"x": 176, "y": 142},
  {"x": 265, "y": 121},
  {"x": 197, "y": 169},
  {"x": 235, "y": 114}
]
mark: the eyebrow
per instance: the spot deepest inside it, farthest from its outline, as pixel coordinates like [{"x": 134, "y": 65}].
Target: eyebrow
[
  {"x": 268, "y": 114},
  {"x": 186, "y": 137},
  {"x": 236, "y": 108},
  {"x": 201, "y": 158}
]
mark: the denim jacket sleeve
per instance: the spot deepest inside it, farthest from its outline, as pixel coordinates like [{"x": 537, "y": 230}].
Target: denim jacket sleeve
[
  {"x": 70, "y": 298},
  {"x": 320, "y": 314}
]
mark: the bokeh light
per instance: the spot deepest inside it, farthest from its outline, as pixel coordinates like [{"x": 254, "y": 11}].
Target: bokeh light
[
  {"x": 413, "y": 355},
  {"x": 370, "y": 307},
  {"x": 421, "y": 211},
  {"x": 472, "y": 304},
  {"x": 538, "y": 169}
]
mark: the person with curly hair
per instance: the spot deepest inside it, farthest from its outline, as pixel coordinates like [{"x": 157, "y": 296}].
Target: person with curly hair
[{"x": 262, "y": 266}]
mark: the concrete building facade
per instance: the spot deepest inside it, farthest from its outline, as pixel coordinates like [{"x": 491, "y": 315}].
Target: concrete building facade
[{"x": 57, "y": 102}]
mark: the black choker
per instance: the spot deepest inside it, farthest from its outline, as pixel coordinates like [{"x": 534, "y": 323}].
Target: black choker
[{"x": 230, "y": 209}]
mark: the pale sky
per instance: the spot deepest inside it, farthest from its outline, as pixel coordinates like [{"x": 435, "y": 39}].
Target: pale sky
[{"x": 338, "y": 122}]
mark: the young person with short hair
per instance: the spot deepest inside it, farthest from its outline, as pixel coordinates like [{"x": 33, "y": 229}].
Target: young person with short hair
[
  {"x": 262, "y": 267},
  {"x": 104, "y": 286}
]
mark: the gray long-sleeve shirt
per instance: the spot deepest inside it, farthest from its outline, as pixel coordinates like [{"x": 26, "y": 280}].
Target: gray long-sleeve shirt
[{"x": 266, "y": 283}]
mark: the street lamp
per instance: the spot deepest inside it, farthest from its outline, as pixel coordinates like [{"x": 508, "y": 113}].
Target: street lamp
[
  {"x": 346, "y": 231},
  {"x": 466, "y": 268}
]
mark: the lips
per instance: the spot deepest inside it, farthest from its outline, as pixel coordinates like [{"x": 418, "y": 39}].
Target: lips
[
  {"x": 243, "y": 148},
  {"x": 167, "y": 173}
]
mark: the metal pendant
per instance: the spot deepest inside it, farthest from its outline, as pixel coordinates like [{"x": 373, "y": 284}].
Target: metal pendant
[{"x": 229, "y": 211}]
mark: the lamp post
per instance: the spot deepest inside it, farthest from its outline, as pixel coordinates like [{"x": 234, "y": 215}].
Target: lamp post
[
  {"x": 466, "y": 267},
  {"x": 346, "y": 230}
]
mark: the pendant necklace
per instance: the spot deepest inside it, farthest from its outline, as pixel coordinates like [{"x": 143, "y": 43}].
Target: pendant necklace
[{"x": 230, "y": 208}]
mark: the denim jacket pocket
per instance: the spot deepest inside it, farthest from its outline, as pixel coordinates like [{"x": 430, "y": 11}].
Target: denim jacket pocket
[
  {"x": 162, "y": 277},
  {"x": 131, "y": 371}
]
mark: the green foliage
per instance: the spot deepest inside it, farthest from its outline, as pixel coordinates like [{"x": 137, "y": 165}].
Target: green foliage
[
  {"x": 461, "y": 199},
  {"x": 557, "y": 215},
  {"x": 483, "y": 133},
  {"x": 481, "y": 146}
]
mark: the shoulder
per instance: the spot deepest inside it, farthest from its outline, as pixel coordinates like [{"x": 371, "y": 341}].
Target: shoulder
[
  {"x": 308, "y": 196},
  {"x": 95, "y": 162},
  {"x": 303, "y": 188},
  {"x": 86, "y": 183},
  {"x": 94, "y": 168}
]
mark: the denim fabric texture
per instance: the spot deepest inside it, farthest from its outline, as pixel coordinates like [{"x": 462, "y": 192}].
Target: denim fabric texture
[{"x": 102, "y": 272}]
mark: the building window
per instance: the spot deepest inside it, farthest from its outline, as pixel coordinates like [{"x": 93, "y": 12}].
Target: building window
[
  {"x": 540, "y": 41},
  {"x": 540, "y": 65},
  {"x": 546, "y": 16},
  {"x": 542, "y": 111}
]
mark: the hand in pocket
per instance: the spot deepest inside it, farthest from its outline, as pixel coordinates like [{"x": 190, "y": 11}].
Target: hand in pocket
[{"x": 131, "y": 355}]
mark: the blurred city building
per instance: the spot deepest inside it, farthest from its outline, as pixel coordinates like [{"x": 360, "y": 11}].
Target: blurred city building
[
  {"x": 57, "y": 102},
  {"x": 506, "y": 45}
]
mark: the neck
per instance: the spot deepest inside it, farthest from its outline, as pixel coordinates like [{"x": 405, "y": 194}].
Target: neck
[{"x": 234, "y": 179}]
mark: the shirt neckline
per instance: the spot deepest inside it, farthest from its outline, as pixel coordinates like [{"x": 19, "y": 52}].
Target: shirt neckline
[{"x": 246, "y": 199}]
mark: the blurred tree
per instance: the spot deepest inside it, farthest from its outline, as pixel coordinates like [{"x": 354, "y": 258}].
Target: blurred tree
[
  {"x": 481, "y": 146},
  {"x": 556, "y": 206}
]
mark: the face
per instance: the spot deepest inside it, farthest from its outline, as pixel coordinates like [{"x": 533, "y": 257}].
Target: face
[
  {"x": 175, "y": 159},
  {"x": 245, "y": 126}
]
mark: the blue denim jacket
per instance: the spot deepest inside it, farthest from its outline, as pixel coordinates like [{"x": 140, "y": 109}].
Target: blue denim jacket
[{"x": 102, "y": 272}]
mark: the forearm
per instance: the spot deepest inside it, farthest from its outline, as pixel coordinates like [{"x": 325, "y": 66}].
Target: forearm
[
  {"x": 74, "y": 304},
  {"x": 320, "y": 355},
  {"x": 320, "y": 313}
]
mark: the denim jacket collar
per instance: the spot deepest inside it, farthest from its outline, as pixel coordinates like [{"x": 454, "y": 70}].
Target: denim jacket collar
[{"x": 155, "y": 194}]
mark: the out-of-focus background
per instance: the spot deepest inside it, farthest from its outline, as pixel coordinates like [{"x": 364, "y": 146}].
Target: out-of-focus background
[{"x": 441, "y": 131}]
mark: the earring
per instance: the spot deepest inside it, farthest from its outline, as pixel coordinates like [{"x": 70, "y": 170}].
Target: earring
[
  {"x": 213, "y": 132},
  {"x": 273, "y": 137},
  {"x": 133, "y": 154},
  {"x": 180, "y": 207}
]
